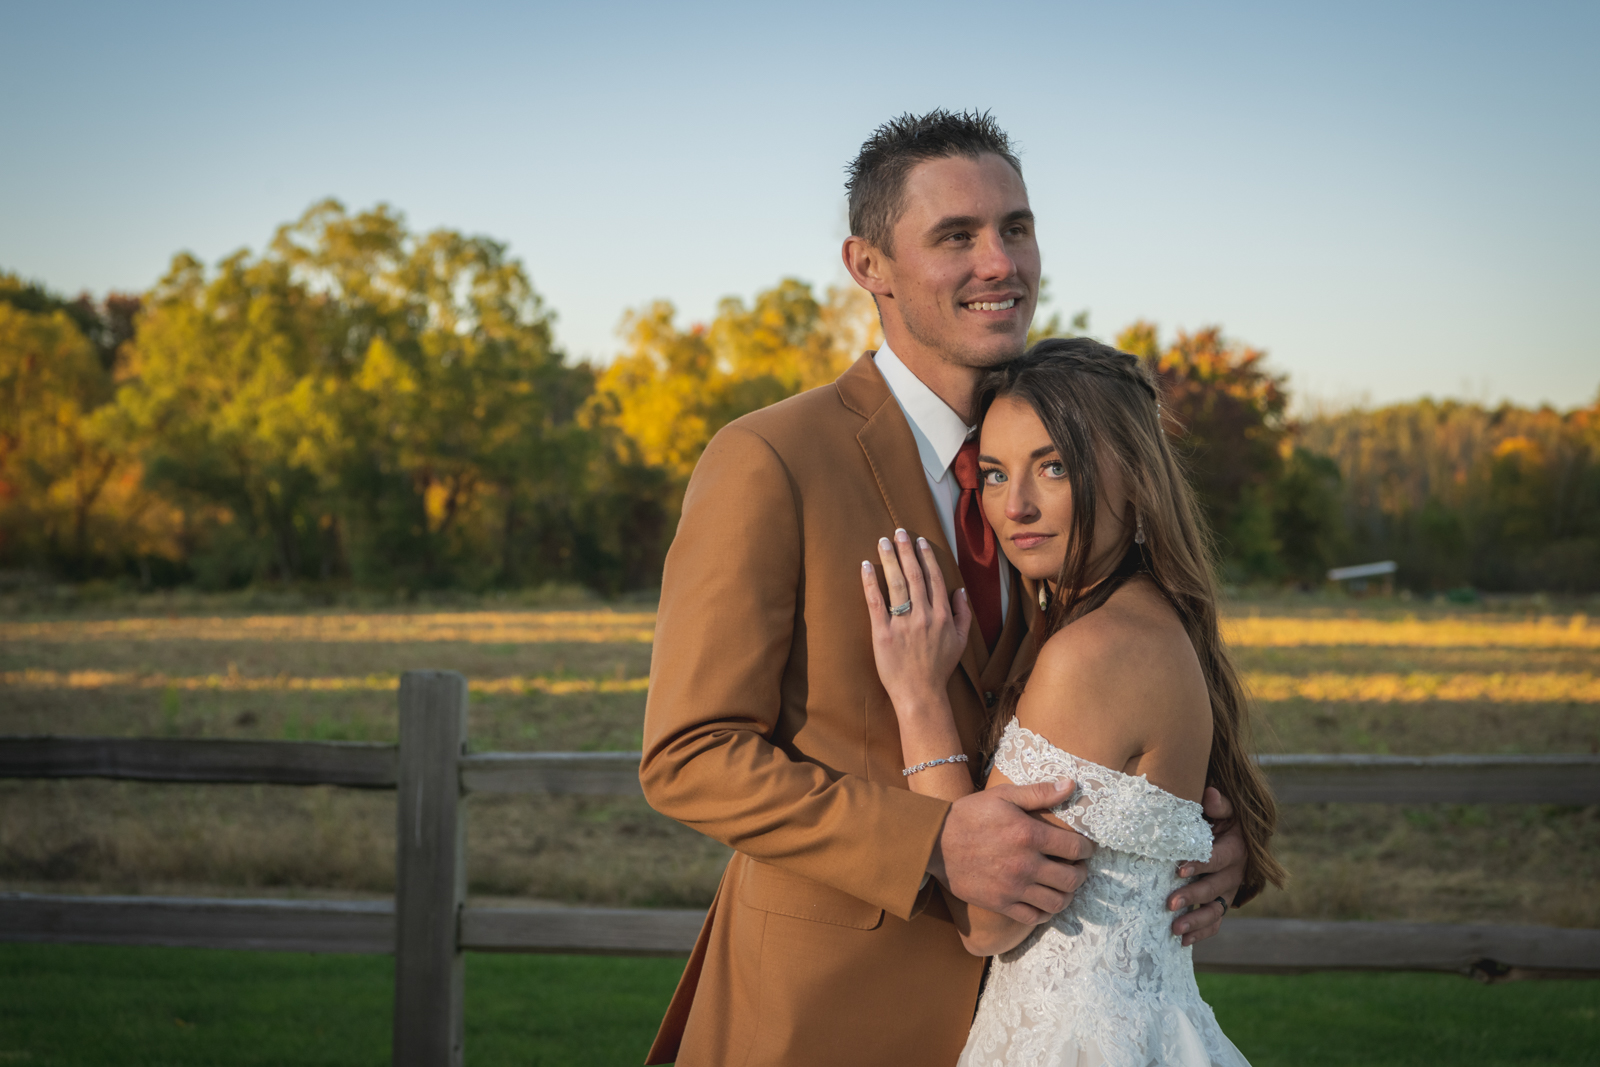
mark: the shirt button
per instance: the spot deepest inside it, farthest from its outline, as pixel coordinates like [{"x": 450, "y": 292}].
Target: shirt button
[{"x": 988, "y": 700}]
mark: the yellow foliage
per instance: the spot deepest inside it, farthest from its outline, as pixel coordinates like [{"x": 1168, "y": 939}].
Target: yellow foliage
[
  {"x": 672, "y": 389},
  {"x": 1520, "y": 446}
]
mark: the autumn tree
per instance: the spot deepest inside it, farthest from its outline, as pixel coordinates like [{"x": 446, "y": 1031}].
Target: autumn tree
[
  {"x": 1226, "y": 413},
  {"x": 358, "y": 399},
  {"x": 671, "y": 389},
  {"x": 1462, "y": 494},
  {"x": 69, "y": 490}
]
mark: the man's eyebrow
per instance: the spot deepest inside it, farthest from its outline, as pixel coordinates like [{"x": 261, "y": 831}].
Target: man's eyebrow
[
  {"x": 970, "y": 222},
  {"x": 956, "y": 222}
]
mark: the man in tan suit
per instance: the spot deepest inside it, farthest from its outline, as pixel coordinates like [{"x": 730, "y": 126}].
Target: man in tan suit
[{"x": 829, "y": 941}]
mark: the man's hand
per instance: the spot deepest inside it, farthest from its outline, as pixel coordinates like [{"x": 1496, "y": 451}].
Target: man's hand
[
  {"x": 993, "y": 854},
  {"x": 1223, "y": 875}
]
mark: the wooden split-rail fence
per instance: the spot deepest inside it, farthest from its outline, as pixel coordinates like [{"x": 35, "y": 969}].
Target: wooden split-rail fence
[{"x": 428, "y": 925}]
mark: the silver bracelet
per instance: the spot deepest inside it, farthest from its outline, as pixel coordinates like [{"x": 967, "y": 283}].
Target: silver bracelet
[{"x": 909, "y": 771}]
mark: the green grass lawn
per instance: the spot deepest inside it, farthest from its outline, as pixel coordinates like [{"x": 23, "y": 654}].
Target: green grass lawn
[{"x": 71, "y": 1005}]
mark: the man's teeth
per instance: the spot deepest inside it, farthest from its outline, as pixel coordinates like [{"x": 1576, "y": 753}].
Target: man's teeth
[{"x": 1003, "y": 305}]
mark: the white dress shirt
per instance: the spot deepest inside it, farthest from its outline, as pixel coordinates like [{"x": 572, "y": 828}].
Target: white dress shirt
[{"x": 939, "y": 433}]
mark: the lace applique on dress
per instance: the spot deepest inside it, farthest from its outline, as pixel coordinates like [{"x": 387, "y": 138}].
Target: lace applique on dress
[
  {"x": 1112, "y": 809},
  {"x": 1105, "y": 982}
]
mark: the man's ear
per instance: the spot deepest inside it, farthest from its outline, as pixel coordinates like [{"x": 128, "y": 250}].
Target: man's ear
[{"x": 869, "y": 266}]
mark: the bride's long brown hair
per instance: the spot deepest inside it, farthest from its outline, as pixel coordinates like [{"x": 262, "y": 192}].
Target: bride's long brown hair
[{"x": 1100, "y": 405}]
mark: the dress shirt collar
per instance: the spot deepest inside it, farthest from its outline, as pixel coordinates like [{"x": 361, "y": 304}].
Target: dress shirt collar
[{"x": 939, "y": 431}]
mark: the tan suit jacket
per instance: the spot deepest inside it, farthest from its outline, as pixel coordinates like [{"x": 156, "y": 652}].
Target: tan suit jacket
[{"x": 767, "y": 729}]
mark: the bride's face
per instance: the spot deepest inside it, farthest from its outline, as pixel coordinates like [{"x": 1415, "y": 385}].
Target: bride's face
[{"x": 1027, "y": 495}]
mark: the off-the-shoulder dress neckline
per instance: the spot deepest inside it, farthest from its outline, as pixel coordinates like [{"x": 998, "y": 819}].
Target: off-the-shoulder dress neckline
[{"x": 1143, "y": 779}]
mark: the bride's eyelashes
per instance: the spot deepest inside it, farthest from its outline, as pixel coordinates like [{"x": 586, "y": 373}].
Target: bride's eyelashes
[{"x": 1050, "y": 468}]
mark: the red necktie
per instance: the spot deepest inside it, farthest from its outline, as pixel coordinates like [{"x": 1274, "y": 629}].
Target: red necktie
[{"x": 976, "y": 551}]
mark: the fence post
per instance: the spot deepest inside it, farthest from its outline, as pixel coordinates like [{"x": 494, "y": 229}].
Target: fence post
[{"x": 430, "y": 870}]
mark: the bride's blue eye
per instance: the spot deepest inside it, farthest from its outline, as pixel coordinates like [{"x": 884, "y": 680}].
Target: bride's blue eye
[
  {"x": 992, "y": 475},
  {"x": 1056, "y": 469}
]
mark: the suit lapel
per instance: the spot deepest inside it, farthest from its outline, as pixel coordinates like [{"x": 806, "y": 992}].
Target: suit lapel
[{"x": 891, "y": 451}]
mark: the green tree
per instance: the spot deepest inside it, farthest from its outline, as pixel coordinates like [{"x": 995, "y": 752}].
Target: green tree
[
  {"x": 1307, "y": 516},
  {"x": 356, "y": 400}
]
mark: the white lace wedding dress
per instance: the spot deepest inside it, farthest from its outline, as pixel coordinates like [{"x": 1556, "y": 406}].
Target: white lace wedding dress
[{"x": 1105, "y": 981}]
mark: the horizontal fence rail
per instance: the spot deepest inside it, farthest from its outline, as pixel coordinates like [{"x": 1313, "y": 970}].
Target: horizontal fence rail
[
  {"x": 1358, "y": 779},
  {"x": 347, "y": 763},
  {"x": 1297, "y": 779},
  {"x": 200, "y": 922},
  {"x": 1256, "y": 946},
  {"x": 605, "y": 773}
]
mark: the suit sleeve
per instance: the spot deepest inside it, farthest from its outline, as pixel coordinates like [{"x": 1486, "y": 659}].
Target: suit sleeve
[{"x": 724, "y": 634}]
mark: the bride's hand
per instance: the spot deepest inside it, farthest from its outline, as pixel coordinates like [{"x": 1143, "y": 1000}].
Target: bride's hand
[{"x": 916, "y": 650}]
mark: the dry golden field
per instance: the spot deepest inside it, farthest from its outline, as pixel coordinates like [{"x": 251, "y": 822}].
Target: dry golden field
[{"x": 1372, "y": 677}]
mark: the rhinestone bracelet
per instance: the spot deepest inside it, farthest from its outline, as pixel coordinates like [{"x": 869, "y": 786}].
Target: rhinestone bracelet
[{"x": 909, "y": 771}]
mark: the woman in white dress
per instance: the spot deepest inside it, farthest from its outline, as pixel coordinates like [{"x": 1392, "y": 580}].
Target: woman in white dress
[{"x": 1131, "y": 695}]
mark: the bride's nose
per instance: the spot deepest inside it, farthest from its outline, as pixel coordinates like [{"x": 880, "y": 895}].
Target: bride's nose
[{"x": 1019, "y": 506}]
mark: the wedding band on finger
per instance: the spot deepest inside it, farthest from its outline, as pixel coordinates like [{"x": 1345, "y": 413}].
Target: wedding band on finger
[{"x": 901, "y": 609}]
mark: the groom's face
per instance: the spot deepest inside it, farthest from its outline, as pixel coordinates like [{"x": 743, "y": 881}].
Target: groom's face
[{"x": 965, "y": 271}]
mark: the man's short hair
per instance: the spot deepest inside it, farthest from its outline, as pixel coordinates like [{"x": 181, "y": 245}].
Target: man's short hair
[{"x": 877, "y": 178}]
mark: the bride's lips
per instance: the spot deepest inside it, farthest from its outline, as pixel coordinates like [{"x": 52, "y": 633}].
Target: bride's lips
[{"x": 1030, "y": 540}]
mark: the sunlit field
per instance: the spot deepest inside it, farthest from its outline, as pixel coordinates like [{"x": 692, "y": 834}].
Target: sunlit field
[{"x": 1376, "y": 676}]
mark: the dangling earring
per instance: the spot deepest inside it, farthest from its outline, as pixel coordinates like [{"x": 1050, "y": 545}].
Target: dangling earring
[
  {"x": 1044, "y": 596},
  {"x": 1138, "y": 533}
]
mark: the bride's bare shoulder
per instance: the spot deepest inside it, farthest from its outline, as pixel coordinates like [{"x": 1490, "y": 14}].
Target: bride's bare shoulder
[{"x": 1118, "y": 680}]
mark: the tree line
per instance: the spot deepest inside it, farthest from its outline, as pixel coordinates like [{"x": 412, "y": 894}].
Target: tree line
[{"x": 365, "y": 405}]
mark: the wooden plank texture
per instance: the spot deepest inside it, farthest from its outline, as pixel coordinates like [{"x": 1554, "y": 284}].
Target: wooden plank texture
[
  {"x": 597, "y": 931},
  {"x": 1256, "y": 946},
  {"x": 608, "y": 773},
  {"x": 1297, "y": 779},
  {"x": 276, "y": 925},
  {"x": 1361, "y": 779},
  {"x": 430, "y": 871},
  {"x": 1273, "y": 946},
  {"x": 347, "y": 763}
]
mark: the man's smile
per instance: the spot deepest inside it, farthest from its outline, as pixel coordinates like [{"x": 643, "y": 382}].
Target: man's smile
[{"x": 991, "y": 305}]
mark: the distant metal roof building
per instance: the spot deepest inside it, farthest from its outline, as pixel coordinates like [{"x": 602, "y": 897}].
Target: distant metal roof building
[{"x": 1363, "y": 570}]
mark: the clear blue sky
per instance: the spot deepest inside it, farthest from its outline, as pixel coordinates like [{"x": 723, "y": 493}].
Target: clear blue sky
[{"x": 1393, "y": 199}]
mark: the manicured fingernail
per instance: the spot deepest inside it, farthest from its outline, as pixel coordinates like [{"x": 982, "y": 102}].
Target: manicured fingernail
[
  {"x": 883, "y": 544},
  {"x": 866, "y": 566},
  {"x": 902, "y": 536},
  {"x": 922, "y": 543}
]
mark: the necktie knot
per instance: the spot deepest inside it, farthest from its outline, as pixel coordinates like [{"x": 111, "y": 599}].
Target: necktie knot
[{"x": 965, "y": 466}]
